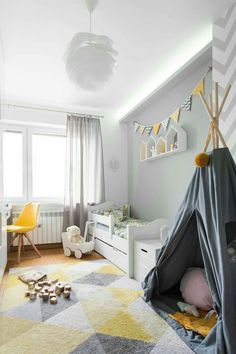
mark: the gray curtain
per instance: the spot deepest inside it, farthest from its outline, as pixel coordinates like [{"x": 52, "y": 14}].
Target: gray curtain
[{"x": 84, "y": 169}]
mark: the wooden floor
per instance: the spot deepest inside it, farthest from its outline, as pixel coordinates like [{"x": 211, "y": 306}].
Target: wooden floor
[{"x": 49, "y": 256}]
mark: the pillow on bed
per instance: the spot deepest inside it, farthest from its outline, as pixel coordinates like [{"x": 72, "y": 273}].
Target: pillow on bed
[
  {"x": 195, "y": 289},
  {"x": 118, "y": 215}
]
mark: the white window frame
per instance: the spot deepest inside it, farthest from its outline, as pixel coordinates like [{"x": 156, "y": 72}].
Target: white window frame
[
  {"x": 23, "y": 130},
  {"x": 27, "y": 133}
]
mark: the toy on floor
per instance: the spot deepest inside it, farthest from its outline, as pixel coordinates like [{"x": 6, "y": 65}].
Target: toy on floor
[
  {"x": 48, "y": 290},
  {"x": 73, "y": 242},
  {"x": 73, "y": 233},
  {"x": 190, "y": 309}
]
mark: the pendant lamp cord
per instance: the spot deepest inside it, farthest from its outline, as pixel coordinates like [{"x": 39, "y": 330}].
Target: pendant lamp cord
[{"x": 90, "y": 22}]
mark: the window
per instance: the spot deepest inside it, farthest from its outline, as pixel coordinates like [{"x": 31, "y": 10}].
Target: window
[
  {"x": 33, "y": 164},
  {"x": 12, "y": 164},
  {"x": 48, "y": 166}
]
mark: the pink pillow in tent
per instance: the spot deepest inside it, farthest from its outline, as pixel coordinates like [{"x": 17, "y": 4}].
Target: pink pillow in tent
[{"x": 195, "y": 289}]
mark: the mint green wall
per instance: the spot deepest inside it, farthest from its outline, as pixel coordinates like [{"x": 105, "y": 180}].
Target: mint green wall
[{"x": 156, "y": 188}]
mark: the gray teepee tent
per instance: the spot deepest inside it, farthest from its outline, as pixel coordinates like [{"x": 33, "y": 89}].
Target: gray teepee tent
[{"x": 205, "y": 224}]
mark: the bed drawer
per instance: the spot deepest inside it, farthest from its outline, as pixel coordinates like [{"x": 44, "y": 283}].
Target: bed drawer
[
  {"x": 119, "y": 259},
  {"x": 102, "y": 248},
  {"x": 120, "y": 243},
  {"x": 112, "y": 254}
]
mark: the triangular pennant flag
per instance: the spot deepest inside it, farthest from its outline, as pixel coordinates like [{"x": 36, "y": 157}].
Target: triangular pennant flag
[
  {"x": 141, "y": 129},
  {"x": 136, "y": 126},
  {"x": 148, "y": 129},
  {"x": 187, "y": 105},
  {"x": 175, "y": 115},
  {"x": 199, "y": 88},
  {"x": 165, "y": 123},
  {"x": 156, "y": 128}
]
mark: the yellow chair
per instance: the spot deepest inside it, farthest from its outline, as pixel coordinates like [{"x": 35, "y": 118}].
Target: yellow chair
[{"x": 27, "y": 221}]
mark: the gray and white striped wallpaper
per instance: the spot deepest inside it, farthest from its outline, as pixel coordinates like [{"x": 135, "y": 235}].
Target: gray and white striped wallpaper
[{"x": 224, "y": 71}]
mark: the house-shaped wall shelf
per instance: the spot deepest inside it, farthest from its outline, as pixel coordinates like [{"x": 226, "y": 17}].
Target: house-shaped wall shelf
[
  {"x": 161, "y": 146},
  {"x": 143, "y": 151},
  {"x": 174, "y": 141}
]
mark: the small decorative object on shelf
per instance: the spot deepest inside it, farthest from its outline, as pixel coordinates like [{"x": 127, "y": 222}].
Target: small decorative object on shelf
[
  {"x": 174, "y": 146},
  {"x": 153, "y": 151}
]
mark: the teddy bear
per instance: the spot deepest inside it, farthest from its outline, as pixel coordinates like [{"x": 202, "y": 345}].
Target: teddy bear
[{"x": 73, "y": 233}]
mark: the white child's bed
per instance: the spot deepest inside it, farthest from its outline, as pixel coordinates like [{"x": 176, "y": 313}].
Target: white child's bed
[{"x": 115, "y": 232}]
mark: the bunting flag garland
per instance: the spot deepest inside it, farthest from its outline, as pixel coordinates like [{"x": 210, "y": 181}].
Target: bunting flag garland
[
  {"x": 141, "y": 129},
  {"x": 156, "y": 128},
  {"x": 165, "y": 123},
  {"x": 136, "y": 126},
  {"x": 149, "y": 130},
  {"x": 199, "y": 88},
  {"x": 175, "y": 115},
  {"x": 187, "y": 105}
]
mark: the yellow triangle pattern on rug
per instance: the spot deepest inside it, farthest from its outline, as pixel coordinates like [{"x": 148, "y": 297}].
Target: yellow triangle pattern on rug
[
  {"x": 126, "y": 296},
  {"x": 109, "y": 269},
  {"x": 123, "y": 325}
]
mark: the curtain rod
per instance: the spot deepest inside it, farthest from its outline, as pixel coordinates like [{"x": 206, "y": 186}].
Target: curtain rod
[{"x": 53, "y": 110}]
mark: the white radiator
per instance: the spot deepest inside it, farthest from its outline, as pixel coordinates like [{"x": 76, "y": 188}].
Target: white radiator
[{"x": 49, "y": 228}]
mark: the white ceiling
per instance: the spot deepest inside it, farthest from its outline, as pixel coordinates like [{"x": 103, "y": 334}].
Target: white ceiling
[{"x": 154, "y": 38}]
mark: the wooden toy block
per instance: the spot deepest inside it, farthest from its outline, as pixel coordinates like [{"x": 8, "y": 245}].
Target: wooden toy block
[
  {"x": 37, "y": 288},
  {"x": 49, "y": 283},
  {"x": 27, "y": 293},
  {"x": 46, "y": 289},
  {"x": 66, "y": 294},
  {"x": 53, "y": 300},
  {"x": 52, "y": 295},
  {"x": 41, "y": 294},
  {"x": 58, "y": 293},
  {"x": 33, "y": 295},
  {"x": 31, "y": 285},
  {"x": 51, "y": 290},
  {"x": 40, "y": 283},
  {"x": 45, "y": 296},
  {"x": 67, "y": 287},
  {"x": 60, "y": 287}
]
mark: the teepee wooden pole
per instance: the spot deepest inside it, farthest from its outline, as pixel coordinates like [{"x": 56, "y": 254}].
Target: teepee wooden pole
[
  {"x": 211, "y": 126},
  {"x": 224, "y": 99},
  {"x": 207, "y": 141},
  {"x": 212, "y": 118},
  {"x": 206, "y": 105},
  {"x": 217, "y": 110}
]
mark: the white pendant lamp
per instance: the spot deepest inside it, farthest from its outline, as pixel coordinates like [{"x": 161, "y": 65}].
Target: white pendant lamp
[{"x": 90, "y": 59}]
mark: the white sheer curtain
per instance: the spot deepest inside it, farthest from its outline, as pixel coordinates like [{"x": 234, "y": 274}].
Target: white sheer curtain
[{"x": 84, "y": 169}]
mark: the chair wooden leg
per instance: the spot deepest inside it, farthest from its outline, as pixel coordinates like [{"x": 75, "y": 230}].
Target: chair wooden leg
[
  {"x": 33, "y": 245},
  {"x": 12, "y": 240},
  {"x": 19, "y": 248},
  {"x": 22, "y": 244}
]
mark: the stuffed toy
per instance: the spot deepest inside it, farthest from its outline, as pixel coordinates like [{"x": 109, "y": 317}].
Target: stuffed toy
[{"x": 73, "y": 233}]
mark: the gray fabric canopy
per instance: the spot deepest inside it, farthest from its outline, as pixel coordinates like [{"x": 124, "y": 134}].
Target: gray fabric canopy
[{"x": 205, "y": 224}]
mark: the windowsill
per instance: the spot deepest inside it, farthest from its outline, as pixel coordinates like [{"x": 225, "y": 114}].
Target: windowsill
[{"x": 44, "y": 206}]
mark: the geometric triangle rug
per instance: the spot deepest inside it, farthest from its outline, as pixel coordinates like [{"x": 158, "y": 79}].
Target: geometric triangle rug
[{"x": 105, "y": 314}]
